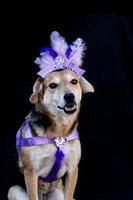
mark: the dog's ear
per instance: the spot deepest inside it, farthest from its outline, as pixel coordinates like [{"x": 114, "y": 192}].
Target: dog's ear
[
  {"x": 86, "y": 86},
  {"x": 37, "y": 89}
]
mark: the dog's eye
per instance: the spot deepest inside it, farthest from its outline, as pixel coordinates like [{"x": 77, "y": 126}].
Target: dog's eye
[
  {"x": 53, "y": 85},
  {"x": 74, "y": 81}
]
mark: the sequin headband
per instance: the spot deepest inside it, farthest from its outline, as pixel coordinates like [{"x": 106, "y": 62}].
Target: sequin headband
[{"x": 61, "y": 56}]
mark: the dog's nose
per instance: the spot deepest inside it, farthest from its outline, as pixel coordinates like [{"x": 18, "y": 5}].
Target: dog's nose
[{"x": 69, "y": 97}]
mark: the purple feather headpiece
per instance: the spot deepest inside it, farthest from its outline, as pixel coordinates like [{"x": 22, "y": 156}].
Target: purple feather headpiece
[{"x": 61, "y": 56}]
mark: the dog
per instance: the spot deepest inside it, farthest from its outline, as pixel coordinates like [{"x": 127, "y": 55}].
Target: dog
[{"x": 57, "y": 99}]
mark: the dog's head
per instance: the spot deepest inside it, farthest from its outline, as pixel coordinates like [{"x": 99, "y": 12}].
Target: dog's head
[
  {"x": 61, "y": 84},
  {"x": 60, "y": 92}
]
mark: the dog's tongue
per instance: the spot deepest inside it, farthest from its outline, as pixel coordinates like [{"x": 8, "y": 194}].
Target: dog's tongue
[{"x": 70, "y": 107}]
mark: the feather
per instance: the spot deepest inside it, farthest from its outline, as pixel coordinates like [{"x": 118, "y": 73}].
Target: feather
[
  {"x": 45, "y": 61},
  {"x": 78, "y": 47},
  {"x": 58, "y": 43},
  {"x": 50, "y": 51}
]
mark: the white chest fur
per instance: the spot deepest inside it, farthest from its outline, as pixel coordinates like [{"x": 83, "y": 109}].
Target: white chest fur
[{"x": 42, "y": 158}]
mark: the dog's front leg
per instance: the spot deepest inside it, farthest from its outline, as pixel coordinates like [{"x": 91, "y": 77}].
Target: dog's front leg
[
  {"x": 31, "y": 181},
  {"x": 70, "y": 183}
]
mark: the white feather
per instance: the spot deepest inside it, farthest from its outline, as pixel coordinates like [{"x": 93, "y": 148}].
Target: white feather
[
  {"x": 45, "y": 61},
  {"x": 58, "y": 43},
  {"x": 78, "y": 47}
]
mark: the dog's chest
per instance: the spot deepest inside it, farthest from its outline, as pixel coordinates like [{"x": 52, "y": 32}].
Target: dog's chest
[{"x": 42, "y": 158}]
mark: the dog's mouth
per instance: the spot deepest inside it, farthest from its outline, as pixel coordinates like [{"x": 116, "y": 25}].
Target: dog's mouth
[{"x": 69, "y": 108}]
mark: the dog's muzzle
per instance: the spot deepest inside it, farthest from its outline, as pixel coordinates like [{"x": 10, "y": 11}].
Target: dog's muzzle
[
  {"x": 70, "y": 106},
  {"x": 69, "y": 98}
]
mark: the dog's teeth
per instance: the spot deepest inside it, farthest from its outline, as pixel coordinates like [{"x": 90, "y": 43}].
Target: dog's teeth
[{"x": 71, "y": 108}]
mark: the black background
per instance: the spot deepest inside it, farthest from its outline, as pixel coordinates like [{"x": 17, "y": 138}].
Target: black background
[{"x": 105, "y": 122}]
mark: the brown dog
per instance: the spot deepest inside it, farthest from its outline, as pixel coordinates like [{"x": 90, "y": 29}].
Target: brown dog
[{"x": 57, "y": 100}]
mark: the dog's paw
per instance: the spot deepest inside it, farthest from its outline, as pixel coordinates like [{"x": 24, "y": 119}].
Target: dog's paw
[{"x": 56, "y": 194}]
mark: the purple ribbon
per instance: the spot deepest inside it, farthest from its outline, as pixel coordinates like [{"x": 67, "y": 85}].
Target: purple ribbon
[
  {"x": 29, "y": 140},
  {"x": 46, "y": 70},
  {"x": 59, "y": 62},
  {"x": 52, "y": 176}
]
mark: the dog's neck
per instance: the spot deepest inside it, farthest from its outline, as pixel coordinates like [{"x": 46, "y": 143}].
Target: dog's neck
[{"x": 44, "y": 123}]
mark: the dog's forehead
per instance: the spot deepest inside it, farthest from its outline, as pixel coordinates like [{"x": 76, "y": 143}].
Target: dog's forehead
[{"x": 58, "y": 76}]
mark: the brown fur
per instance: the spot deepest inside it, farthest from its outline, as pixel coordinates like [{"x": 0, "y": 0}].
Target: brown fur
[{"x": 71, "y": 184}]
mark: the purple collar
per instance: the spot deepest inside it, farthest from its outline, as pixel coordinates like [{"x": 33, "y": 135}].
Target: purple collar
[{"x": 59, "y": 142}]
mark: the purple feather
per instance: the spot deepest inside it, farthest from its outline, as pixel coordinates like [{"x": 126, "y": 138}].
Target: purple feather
[
  {"x": 68, "y": 52},
  {"x": 48, "y": 50}
]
